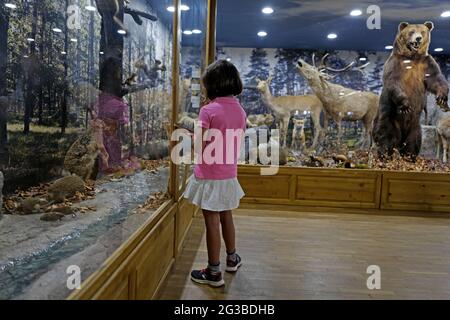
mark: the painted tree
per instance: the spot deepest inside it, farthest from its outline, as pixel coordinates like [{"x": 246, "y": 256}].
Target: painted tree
[
  {"x": 259, "y": 68},
  {"x": 4, "y": 26},
  {"x": 31, "y": 72}
]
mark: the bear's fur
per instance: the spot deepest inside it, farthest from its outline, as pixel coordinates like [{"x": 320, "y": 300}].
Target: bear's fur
[{"x": 409, "y": 74}]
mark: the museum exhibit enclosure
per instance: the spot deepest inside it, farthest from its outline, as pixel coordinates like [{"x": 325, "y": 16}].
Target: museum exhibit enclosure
[{"x": 347, "y": 117}]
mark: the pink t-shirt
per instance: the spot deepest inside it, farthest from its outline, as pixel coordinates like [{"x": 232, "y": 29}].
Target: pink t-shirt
[{"x": 224, "y": 116}]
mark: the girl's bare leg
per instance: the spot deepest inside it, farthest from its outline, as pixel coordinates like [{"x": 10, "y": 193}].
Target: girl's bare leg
[
  {"x": 228, "y": 231},
  {"x": 213, "y": 241}
]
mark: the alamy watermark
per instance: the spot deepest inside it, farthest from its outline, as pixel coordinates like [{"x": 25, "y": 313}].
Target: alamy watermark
[
  {"x": 74, "y": 278},
  {"x": 374, "y": 280},
  {"x": 374, "y": 19}
]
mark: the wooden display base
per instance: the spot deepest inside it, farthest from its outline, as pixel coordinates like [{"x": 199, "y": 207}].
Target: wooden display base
[{"x": 347, "y": 189}]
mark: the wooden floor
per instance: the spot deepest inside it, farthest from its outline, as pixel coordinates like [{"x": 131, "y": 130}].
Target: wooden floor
[{"x": 324, "y": 256}]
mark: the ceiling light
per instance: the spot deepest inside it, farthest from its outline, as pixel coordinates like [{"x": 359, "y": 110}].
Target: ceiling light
[
  {"x": 438, "y": 49},
  {"x": 183, "y": 7},
  {"x": 262, "y": 34},
  {"x": 30, "y": 40},
  {"x": 356, "y": 13},
  {"x": 63, "y": 53},
  {"x": 121, "y": 31},
  {"x": 267, "y": 10},
  {"x": 445, "y": 14},
  {"x": 332, "y": 36},
  {"x": 406, "y": 61},
  {"x": 228, "y": 59},
  {"x": 196, "y": 31},
  {"x": 389, "y": 47},
  {"x": 409, "y": 67},
  {"x": 187, "y": 32},
  {"x": 90, "y": 8},
  {"x": 362, "y": 59},
  {"x": 57, "y": 30},
  {"x": 101, "y": 52},
  {"x": 10, "y": 5}
]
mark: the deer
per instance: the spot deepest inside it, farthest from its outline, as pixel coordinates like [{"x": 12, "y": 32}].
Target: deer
[
  {"x": 340, "y": 103},
  {"x": 443, "y": 133},
  {"x": 298, "y": 135},
  {"x": 283, "y": 107}
]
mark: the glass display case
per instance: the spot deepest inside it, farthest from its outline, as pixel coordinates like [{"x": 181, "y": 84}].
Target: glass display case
[
  {"x": 352, "y": 98},
  {"x": 192, "y": 66},
  {"x": 86, "y": 95},
  {"x": 321, "y": 84}
]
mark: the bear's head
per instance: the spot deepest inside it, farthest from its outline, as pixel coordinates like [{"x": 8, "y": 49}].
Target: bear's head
[{"x": 413, "y": 39}]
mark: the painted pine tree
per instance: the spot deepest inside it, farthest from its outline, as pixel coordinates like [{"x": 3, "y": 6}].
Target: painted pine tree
[{"x": 259, "y": 68}]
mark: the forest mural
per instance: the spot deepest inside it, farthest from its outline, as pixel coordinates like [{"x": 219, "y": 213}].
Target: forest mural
[
  {"x": 57, "y": 57},
  {"x": 280, "y": 63}
]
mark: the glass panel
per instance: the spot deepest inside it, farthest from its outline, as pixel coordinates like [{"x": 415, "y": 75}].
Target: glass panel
[
  {"x": 314, "y": 71},
  {"x": 85, "y": 87},
  {"x": 193, "y": 27}
]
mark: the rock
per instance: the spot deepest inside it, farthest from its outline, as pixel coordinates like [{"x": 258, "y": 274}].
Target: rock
[
  {"x": 65, "y": 188},
  {"x": 31, "y": 206},
  {"x": 429, "y": 142},
  {"x": 52, "y": 216},
  {"x": 2, "y": 180},
  {"x": 154, "y": 150},
  {"x": 81, "y": 159},
  {"x": 340, "y": 158},
  {"x": 284, "y": 153},
  {"x": 66, "y": 210}
]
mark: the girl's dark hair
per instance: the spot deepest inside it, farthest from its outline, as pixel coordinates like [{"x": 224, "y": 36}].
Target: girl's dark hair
[{"x": 222, "y": 79}]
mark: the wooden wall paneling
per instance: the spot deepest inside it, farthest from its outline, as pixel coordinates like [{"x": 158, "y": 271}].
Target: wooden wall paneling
[
  {"x": 154, "y": 257},
  {"x": 266, "y": 187},
  {"x": 341, "y": 188},
  {"x": 312, "y": 187},
  {"x": 185, "y": 215},
  {"x": 416, "y": 191}
]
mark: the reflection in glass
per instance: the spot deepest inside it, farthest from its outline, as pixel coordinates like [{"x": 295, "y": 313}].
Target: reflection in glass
[{"x": 85, "y": 99}]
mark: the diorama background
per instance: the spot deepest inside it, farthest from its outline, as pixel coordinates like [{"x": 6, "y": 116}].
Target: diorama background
[{"x": 281, "y": 65}]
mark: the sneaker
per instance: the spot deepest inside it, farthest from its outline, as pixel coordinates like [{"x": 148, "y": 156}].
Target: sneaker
[
  {"x": 205, "y": 276},
  {"x": 233, "y": 266}
]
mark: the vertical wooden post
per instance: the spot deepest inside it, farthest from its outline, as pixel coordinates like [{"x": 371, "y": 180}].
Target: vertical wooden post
[
  {"x": 211, "y": 32},
  {"x": 173, "y": 185}
]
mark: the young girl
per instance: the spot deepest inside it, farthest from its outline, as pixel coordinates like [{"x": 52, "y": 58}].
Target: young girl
[{"x": 214, "y": 187}]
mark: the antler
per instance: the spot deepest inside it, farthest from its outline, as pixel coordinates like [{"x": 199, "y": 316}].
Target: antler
[{"x": 323, "y": 65}]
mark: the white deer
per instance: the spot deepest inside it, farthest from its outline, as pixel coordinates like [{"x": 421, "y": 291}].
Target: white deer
[
  {"x": 284, "y": 106},
  {"x": 341, "y": 103}
]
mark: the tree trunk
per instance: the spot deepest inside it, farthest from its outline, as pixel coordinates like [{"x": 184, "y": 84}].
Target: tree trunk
[
  {"x": 91, "y": 62},
  {"x": 31, "y": 88},
  {"x": 111, "y": 44},
  {"x": 130, "y": 44},
  {"x": 4, "y": 25},
  {"x": 41, "y": 53},
  {"x": 66, "y": 80}
]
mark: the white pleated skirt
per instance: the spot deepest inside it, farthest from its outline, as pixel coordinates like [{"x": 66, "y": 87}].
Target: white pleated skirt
[{"x": 214, "y": 195}]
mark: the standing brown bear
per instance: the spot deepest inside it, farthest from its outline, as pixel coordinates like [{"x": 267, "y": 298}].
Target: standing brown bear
[{"x": 409, "y": 74}]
